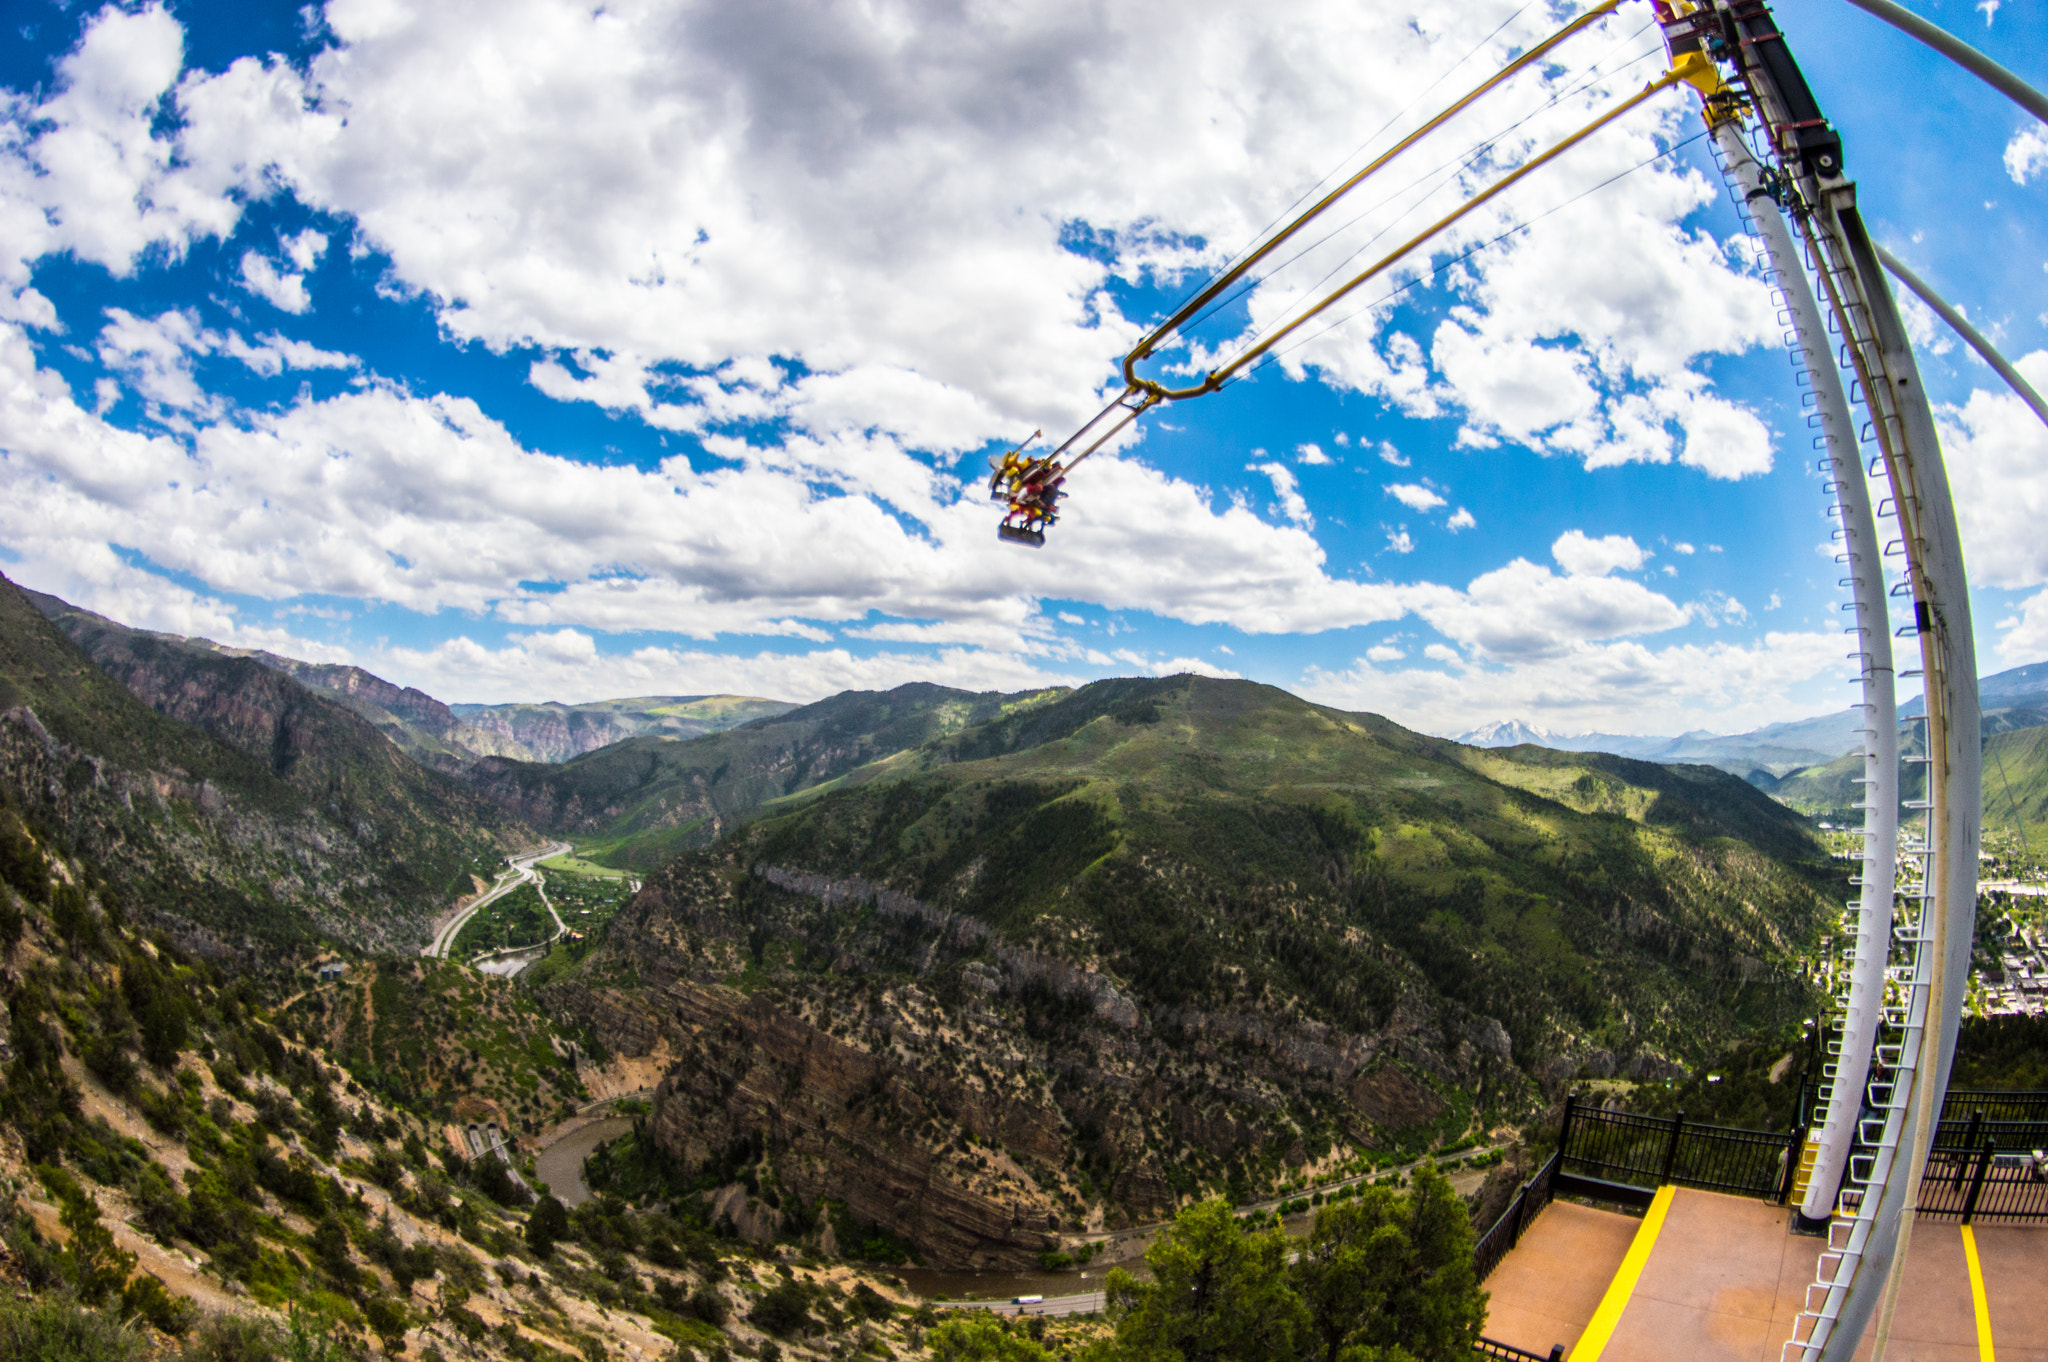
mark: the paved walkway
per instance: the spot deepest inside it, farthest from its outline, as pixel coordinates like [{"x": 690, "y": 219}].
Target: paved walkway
[{"x": 1719, "y": 1279}]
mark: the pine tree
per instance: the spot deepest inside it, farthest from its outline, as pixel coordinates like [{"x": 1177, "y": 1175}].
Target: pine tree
[{"x": 1218, "y": 1294}]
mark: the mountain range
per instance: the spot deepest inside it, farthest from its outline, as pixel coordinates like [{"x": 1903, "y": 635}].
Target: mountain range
[
  {"x": 452, "y": 737},
  {"x": 232, "y": 806},
  {"x": 2015, "y": 698},
  {"x": 987, "y": 967}
]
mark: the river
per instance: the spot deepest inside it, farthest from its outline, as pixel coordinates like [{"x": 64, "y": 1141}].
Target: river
[{"x": 560, "y": 1165}]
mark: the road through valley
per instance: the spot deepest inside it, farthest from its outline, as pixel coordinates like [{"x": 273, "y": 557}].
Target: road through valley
[{"x": 520, "y": 873}]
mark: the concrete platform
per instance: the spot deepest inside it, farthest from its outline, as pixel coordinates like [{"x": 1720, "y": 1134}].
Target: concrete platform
[
  {"x": 1544, "y": 1292},
  {"x": 2014, "y": 1261},
  {"x": 1725, "y": 1279}
]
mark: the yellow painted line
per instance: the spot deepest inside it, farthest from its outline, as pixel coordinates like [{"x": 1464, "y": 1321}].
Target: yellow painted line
[
  {"x": 1594, "y": 1341},
  {"x": 1984, "y": 1353}
]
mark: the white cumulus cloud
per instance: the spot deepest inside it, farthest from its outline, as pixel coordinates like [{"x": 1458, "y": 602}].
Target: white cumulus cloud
[
  {"x": 1288, "y": 490},
  {"x": 1996, "y": 450},
  {"x": 1415, "y": 496},
  {"x": 2026, "y": 155},
  {"x": 1622, "y": 686},
  {"x": 1524, "y": 611},
  {"x": 1580, "y": 555}
]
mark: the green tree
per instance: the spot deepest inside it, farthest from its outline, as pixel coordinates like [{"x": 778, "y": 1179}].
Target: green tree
[
  {"x": 980, "y": 1337},
  {"x": 1439, "y": 1316},
  {"x": 145, "y": 1298},
  {"x": 783, "y": 1310},
  {"x": 330, "y": 1242},
  {"x": 1387, "y": 1278},
  {"x": 1218, "y": 1294},
  {"x": 548, "y": 1223},
  {"x": 95, "y": 1264},
  {"x": 388, "y": 1320},
  {"x": 1350, "y": 1266}
]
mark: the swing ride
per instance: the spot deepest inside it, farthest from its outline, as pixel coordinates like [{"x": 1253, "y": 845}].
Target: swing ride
[{"x": 1898, "y": 1013}]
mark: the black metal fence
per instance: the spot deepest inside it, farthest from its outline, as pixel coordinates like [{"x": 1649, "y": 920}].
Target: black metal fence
[
  {"x": 1624, "y": 1157},
  {"x": 1486, "y": 1347},
  {"x": 1506, "y": 1232},
  {"x": 1984, "y": 1184},
  {"x": 1993, "y": 1105}
]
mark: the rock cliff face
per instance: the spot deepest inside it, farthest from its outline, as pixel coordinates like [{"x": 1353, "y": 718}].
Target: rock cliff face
[
  {"x": 550, "y": 733},
  {"x": 968, "y": 1094},
  {"x": 411, "y": 718}
]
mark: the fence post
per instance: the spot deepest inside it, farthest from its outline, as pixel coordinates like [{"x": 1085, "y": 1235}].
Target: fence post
[
  {"x": 1969, "y": 1143},
  {"x": 1564, "y": 1131},
  {"x": 1671, "y": 1149},
  {"x": 1521, "y": 1209},
  {"x": 1793, "y": 1153},
  {"x": 1977, "y": 1182}
]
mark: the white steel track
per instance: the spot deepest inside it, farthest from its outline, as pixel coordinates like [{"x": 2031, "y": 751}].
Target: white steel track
[
  {"x": 1906, "y": 1041},
  {"x": 1845, "y": 1073}
]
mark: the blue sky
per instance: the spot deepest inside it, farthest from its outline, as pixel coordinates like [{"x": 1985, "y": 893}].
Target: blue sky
[{"x": 527, "y": 351}]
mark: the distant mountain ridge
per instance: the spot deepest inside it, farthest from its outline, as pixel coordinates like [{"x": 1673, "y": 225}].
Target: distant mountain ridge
[
  {"x": 451, "y": 738},
  {"x": 1776, "y": 749},
  {"x": 647, "y": 799},
  {"x": 555, "y": 732}
]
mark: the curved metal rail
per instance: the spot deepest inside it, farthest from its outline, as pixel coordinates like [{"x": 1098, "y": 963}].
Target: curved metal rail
[
  {"x": 1927, "y": 962},
  {"x": 1910, "y": 964},
  {"x": 1860, "y": 1004}
]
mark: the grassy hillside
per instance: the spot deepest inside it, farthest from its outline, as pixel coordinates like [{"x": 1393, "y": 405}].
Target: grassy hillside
[
  {"x": 1178, "y": 823},
  {"x": 640, "y": 802}
]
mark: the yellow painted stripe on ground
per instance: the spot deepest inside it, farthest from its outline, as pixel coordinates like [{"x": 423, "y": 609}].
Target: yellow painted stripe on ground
[
  {"x": 1984, "y": 1353},
  {"x": 1594, "y": 1341}
]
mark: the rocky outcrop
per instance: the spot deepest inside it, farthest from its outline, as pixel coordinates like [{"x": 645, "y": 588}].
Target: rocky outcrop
[
  {"x": 554, "y": 732},
  {"x": 411, "y": 718},
  {"x": 844, "y": 1122}
]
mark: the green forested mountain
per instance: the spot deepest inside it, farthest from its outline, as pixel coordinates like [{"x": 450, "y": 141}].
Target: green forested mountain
[
  {"x": 645, "y": 799},
  {"x": 2015, "y": 776},
  {"x": 1151, "y": 937},
  {"x": 230, "y": 799}
]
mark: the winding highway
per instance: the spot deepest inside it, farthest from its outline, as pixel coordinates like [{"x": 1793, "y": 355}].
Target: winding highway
[{"x": 521, "y": 872}]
